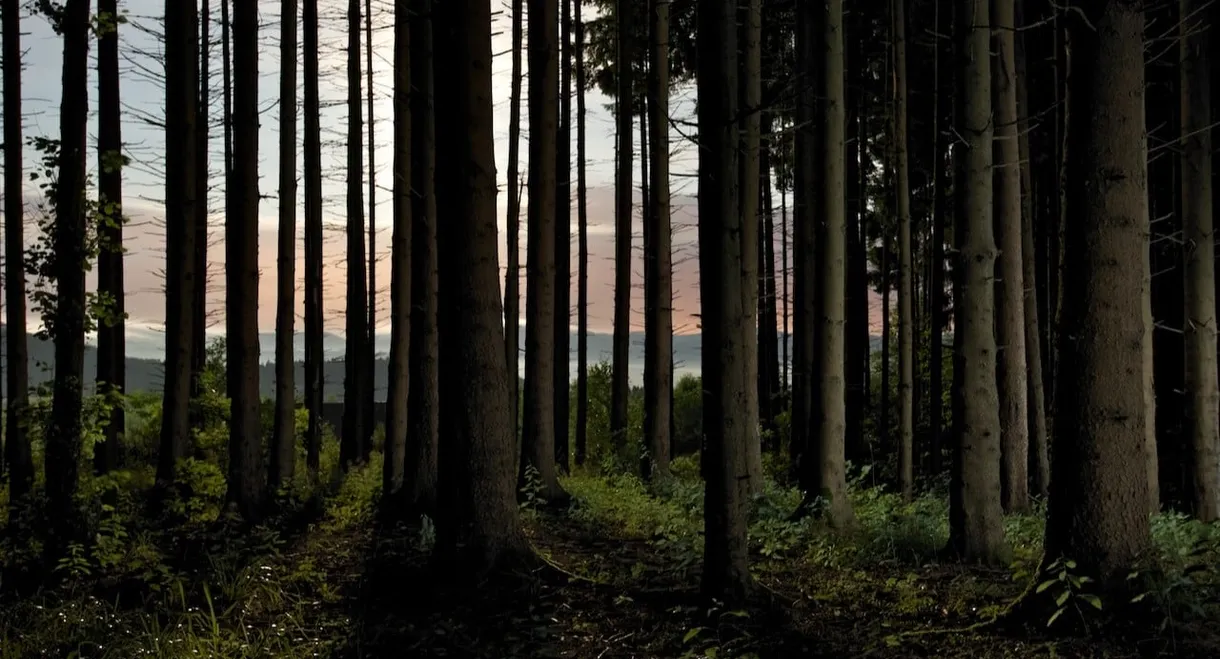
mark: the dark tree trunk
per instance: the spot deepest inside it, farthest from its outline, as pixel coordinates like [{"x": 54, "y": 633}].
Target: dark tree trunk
[
  {"x": 582, "y": 252},
  {"x": 241, "y": 274},
  {"x": 199, "y": 342},
  {"x": 563, "y": 243},
  {"x": 768, "y": 330},
  {"x": 355, "y": 380},
  {"x": 314, "y": 358},
  {"x": 940, "y": 210},
  {"x": 370, "y": 351},
  {"x": 658, "y": 269},
  {"x": 512, "y": 275},
  {"x": 619, "y": 391}
]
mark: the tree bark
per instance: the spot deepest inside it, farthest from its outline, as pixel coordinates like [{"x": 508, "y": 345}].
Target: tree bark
[
  {"x": 111, "y": 345},
  {"x": 284, "y": 433},
  {"x": 906, "y": 288},
  {"x": 314, "y": 357},
  {"x": 1098, "y": 512},
  {"x": 563, "y": 244},
  {"x": 658, "y": 269},
  {"x": 726, "y": 328},
  {"x": 1202, "y": 390},
  {"x": 619, "y": 390},
  {"x": 748, "y": 198},
  {"x": 582, "y": 251},
  {"x": 423, "y": 398},
  {"x": 512, "y": 275},
  {"x": 976, "y": 529},
  {"x": 478, "y": 527},
  {"x": 351, "y": 446},
  {"x": 241, "y": 274},
  {"x": 538, "y": 422}
]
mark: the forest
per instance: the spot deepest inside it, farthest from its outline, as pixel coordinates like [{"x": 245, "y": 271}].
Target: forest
[{"x": 1026, "y": 463}]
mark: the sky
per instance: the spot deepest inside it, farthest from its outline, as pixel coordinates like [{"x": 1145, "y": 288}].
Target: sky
[{"x": 145, "y": 143}]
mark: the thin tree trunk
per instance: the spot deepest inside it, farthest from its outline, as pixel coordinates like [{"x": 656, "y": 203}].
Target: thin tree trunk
[
  {"x": 314, "y": 357},
  {"x": 1202, "y": 390},
  {"x": 786, "y": 335},
  {"x": 111, "y": 345},
  {"x": 563, "y": 243},
  {"x": 478, "y": 527},
  {"x": 181, "y": 96},
  {"x": 1098, "y": 513},
  {"x": 371, "y": 346},
  {"x": 423, "y": 401},
  {"x": 17, "y": 452},
  {"x": 352, "y": 440},
  {"x": 658, "y": 270},
  {"x": 582, "y": 251},
  {"x": 64, "y": 429},
  {"x": 284, "y": 434},
  {"x": 199, "y": 343},
  {"x": 512, "y": 275},
  {"x": 538, "y": 422},
  {"x": 768, "y": 332},
  {"x": 748, "y": 198},
  {"x": 906, "y": 288},
  {"x": 619, "y": 391},
  {"x": 241, "y": 274},
  {"x": 398, "y": 389},
  {"x": 976, "y": 529},
  {"x": 936, "y": 298},
  {"x": 803, "y": 243},
  {"x": 726, "y": 328}
]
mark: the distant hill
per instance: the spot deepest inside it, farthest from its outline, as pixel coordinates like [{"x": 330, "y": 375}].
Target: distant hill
[{"x": 145, "y": 368}]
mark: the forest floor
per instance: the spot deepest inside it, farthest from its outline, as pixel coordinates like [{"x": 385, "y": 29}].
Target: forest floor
[{"x": 618, "y": 578}]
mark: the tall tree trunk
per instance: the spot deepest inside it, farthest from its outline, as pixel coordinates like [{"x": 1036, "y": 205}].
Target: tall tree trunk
[
  {"x": 619, "y": 391},
  {"x": 936, "y": 298},
  {"x": 1039, "y": 454},
  {"x": 478, "y": 528},
  {"x": 887, "y": 318},
  {"x": 17, "y": 452},
  {"x": 199, "y": 341},
  {"x": 314, "y": 357},
  {"x": 563, "y": 243},
  {"x": 768, "y": 331},
  {"x": 423, "y": 401},
  {"x": 512, "y": 275},
  {"x": 284, "y": 433},
  {"x": 726, "y": 329},
  {"x": 823, "y": 473},
  {"x": 370, "y": 359},
  {"x": 976, "y": 529},
  {"x": 906, "y": 288},
  {"x": 658, "y": 270},
  {"x": 63, "y": 432},
  {"x": 111, "y": 346},
  {"x": 1098, "y": 512},
  {"x": 803, "y": 243},
  {"x": 351, "y": 446},
  {"x": 786, "y": 335},
  {"x": 582, "y": 251},
  {"x": 1010, "y": 288},
  {"x": 856, "y": 328},
  {"x": 181, "y": 96},
  {"x": 748, "y": 198},
  {"x": 538, "y": 422},
  {"x": 1202, "y": 390},
  {"x": 241, "y": 274},
  {"x": 398, "y": 389}
]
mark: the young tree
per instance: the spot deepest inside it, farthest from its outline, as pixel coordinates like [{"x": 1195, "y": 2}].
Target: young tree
[
  {"x": 1098, "y": 511},
  {"x": 582, "y": 251},
  {"x": 64, "y": 429},
  {"x": 1012, "y": 386},
  {"x": 398, "y": 390},
  {"x": 18, "y": 456},
  {"x": 284, "y": 433},
  {"x": 726, "y": 572},
  {"x": 181, "y": 210},
  {"x": 658, "y": 270},
  {"x": 1202, "y": 390},
  {"x": 622, "y": 229},
  {"x": 478, "y": 525},
  {"x": 241, "y": 274},
  {"x": 111, "y": 350},
  {"x": 423, "y": 402},
  {"x": 976, "y": 529},
  {"x": 906, "y": 288},
  {"x": 314, "y": 359}
]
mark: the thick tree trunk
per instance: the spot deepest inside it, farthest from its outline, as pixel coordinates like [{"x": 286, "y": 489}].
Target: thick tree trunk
[
  {"x": 402, "y": 325},
  {"x": 1098, "y": 513},
  {"x": 906, "y": 288},
  {"x": 64, "y": 429},
  {"x": 563, "y": 244},
  {"x": 726, "y": 328},
  {"x": 658, "y": 270},
  {"x": 18, "y": 456},
  {"x": 512, "y": 274},
  {"x": 478, "y": 525},
  {"x": 241, "y": 274},
  {"x": 423, "y": 406},
  {"x": 538, "y": 422},
  {"x": 976, "y": 529},
  {"x": 314, "y": 358},
  {"x": 181, "y": 96},
  {"x": 619, "y": 391},
  {"x": 1011, "y": 381},
  {"x": 284, "y": 433},
  {"x": 1202, "y": 390},
  {"x": 352, "y": 439},
  {"x": 582, "y": 252},
  {"x": 111, "y": 344}
]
